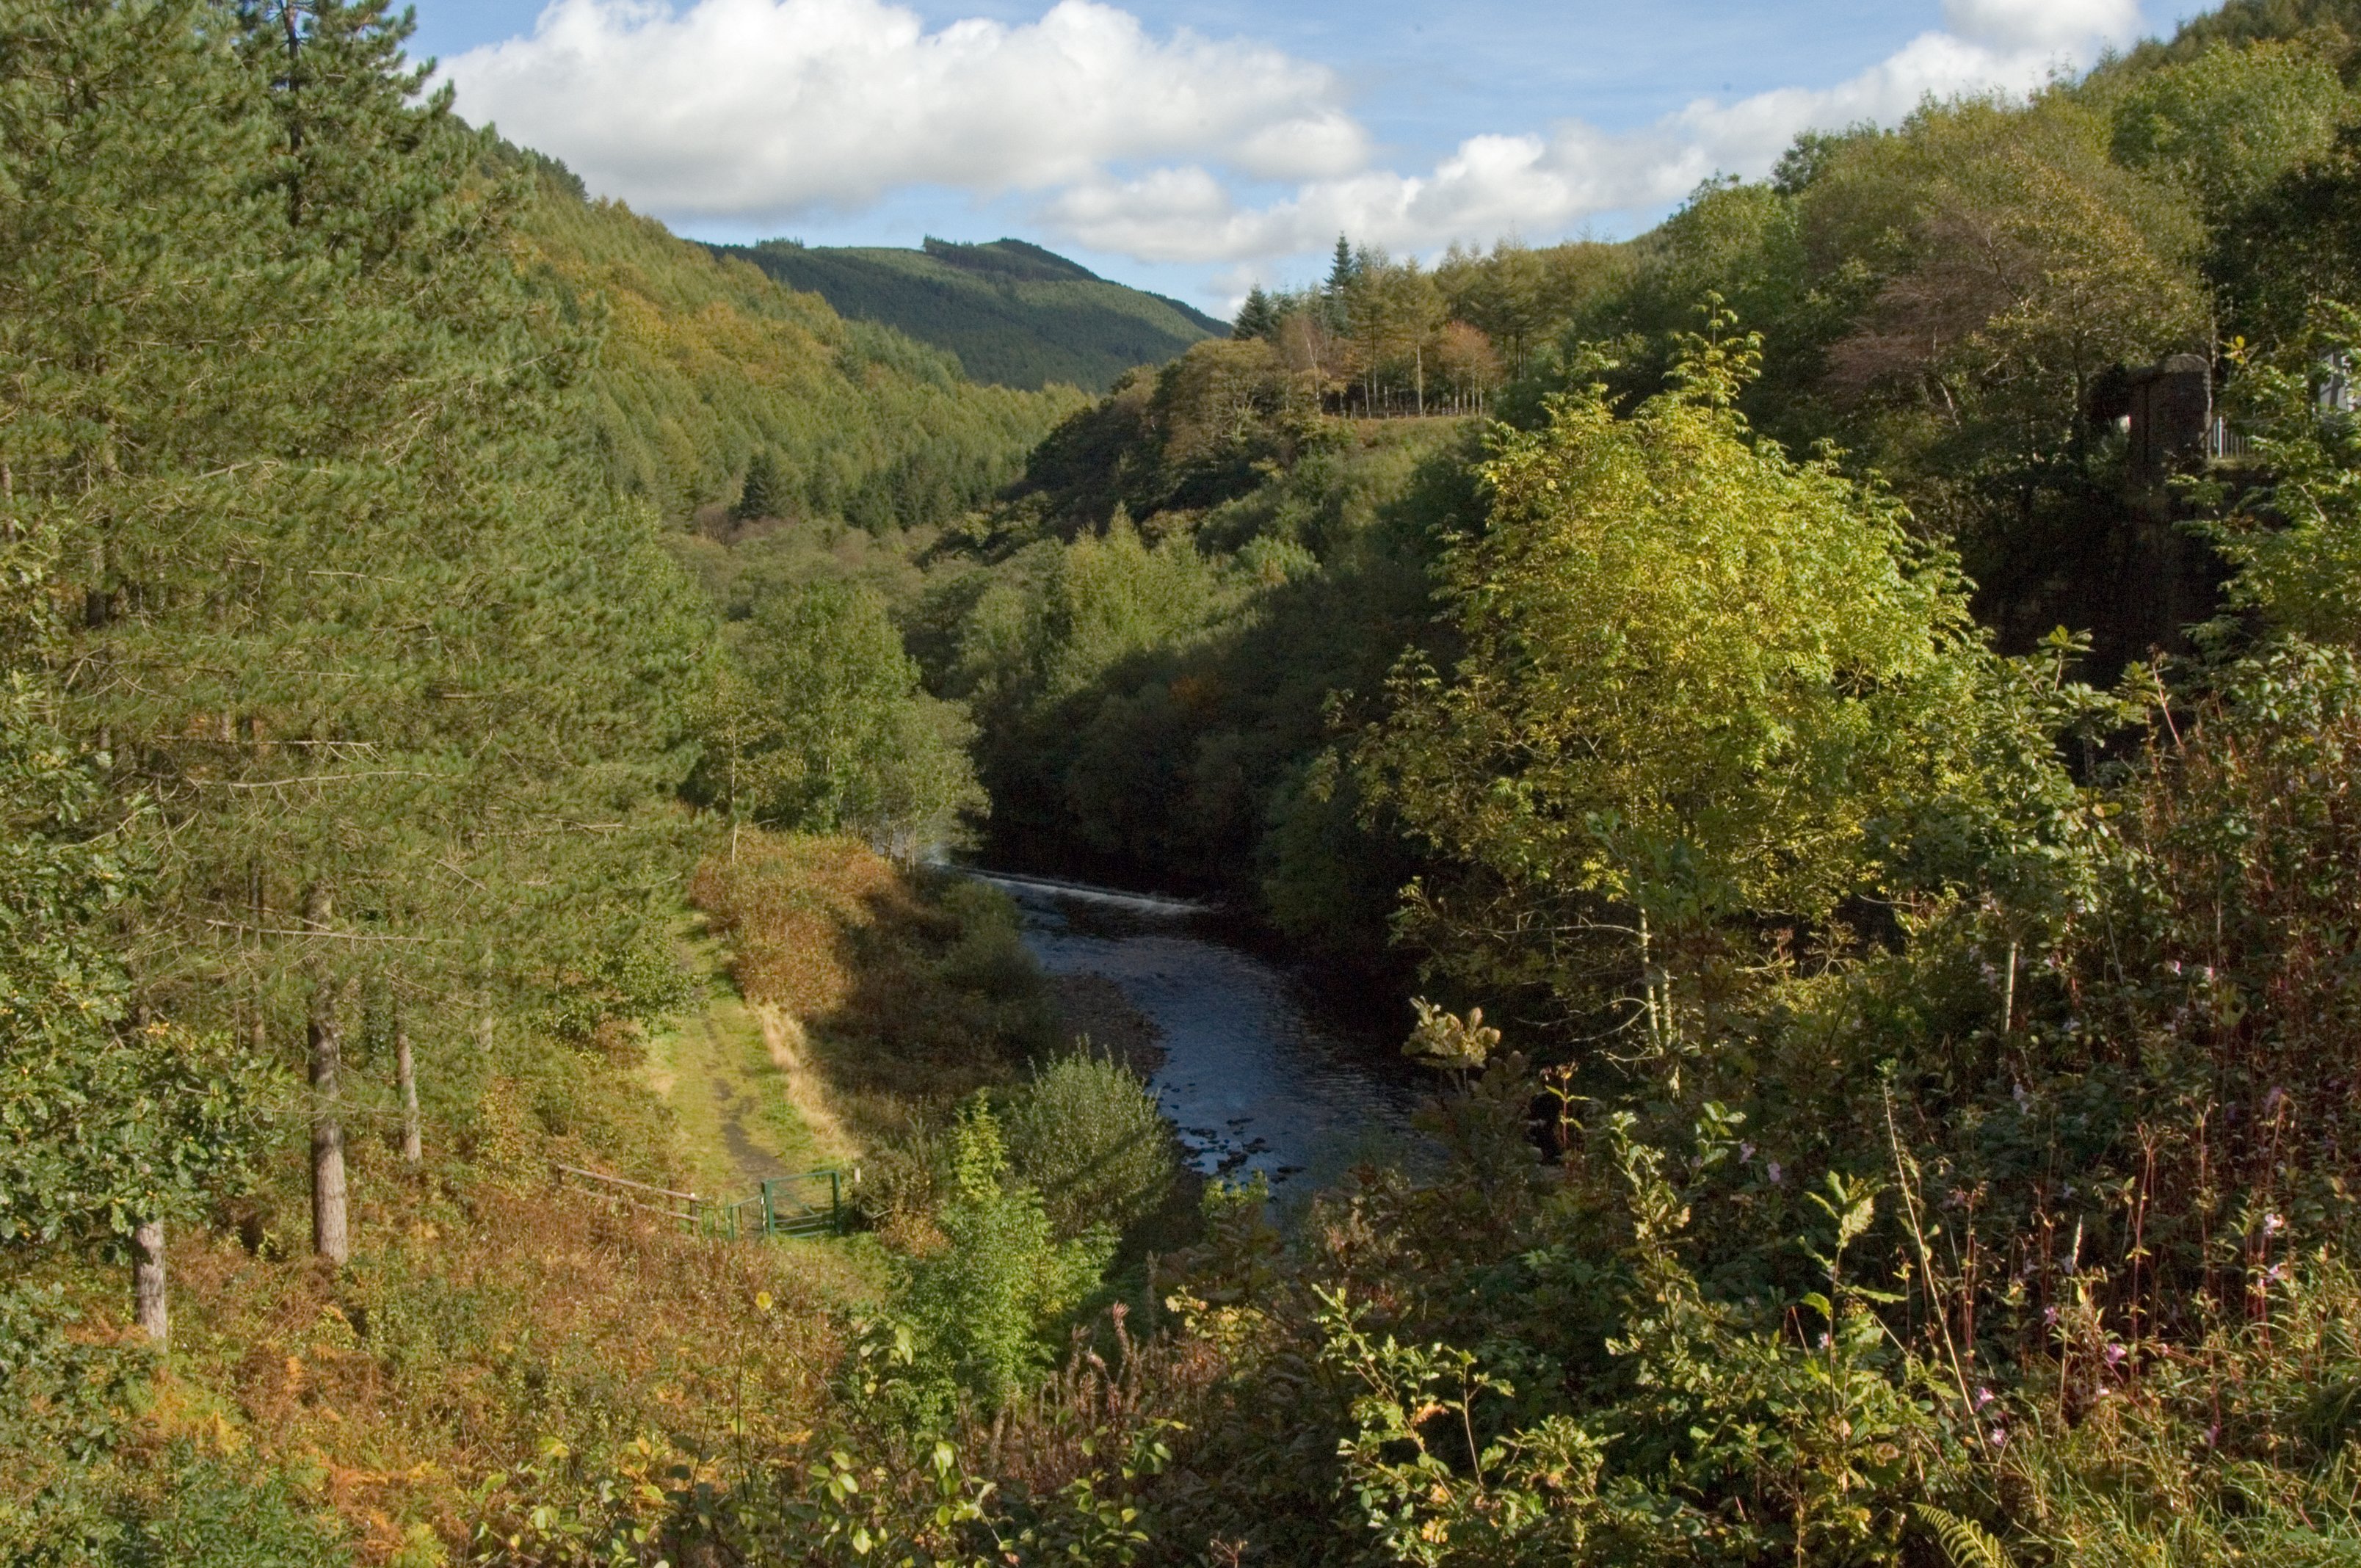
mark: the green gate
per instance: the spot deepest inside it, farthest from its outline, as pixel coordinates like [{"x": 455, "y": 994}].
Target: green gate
[{"x": 807, "y": 1203}]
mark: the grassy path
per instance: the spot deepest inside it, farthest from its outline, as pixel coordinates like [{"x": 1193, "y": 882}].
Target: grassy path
[{"x": 747, "y": 1106}]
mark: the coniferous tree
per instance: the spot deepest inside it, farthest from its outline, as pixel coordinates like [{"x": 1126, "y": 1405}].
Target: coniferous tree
[
  {"x": 1343, "y": 271},
  {"x": 1258, "y": 317},
  {"x": 764, "y": 494},
  {"x": 357, "y": 614}
]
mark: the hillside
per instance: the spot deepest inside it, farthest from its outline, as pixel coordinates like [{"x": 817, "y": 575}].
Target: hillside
[
  {"x": 1892, "y": 1103},
  {"x": 1015, "y": 315},
  {"x": 706, "y": 361}
]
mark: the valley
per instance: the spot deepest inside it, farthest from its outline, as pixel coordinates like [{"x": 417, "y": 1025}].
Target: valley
[{"x": 1676, "y": 900}]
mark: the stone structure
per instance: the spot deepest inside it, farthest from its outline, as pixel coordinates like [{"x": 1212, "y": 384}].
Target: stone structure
[{"x": 2171, "y": 421}]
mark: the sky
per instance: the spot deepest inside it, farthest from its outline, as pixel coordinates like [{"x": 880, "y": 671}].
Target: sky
[{"x": 1201, "y": 147}]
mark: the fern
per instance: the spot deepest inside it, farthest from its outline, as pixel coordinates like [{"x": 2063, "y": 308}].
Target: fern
[{"x": 1965, "y": 1543}]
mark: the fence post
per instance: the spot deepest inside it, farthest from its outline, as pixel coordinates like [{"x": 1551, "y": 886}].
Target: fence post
[
  {"x": 836, "y": 1203},
  {"x": 770, "y": 1214}
]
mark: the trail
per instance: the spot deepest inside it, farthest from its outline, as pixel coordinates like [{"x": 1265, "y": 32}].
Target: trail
[{"x": 747, "y": 1102}]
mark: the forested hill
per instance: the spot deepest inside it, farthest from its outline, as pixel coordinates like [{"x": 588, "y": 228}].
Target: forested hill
[
  {"x": 1017, "y": 315},
  {"x": 708, "y": 365},
  {"x": 1917, "y": 1122}
]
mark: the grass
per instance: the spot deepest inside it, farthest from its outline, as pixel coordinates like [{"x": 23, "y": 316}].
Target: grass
[
  {"x": 746, "y": 1104},
  {"x": 506, "y": 1372}
]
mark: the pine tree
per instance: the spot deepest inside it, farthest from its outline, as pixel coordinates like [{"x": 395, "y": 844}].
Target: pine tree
[
  {"x": 1258, "y": 317},
  {"x": 1343, "y": 268},
  {"x": 764, "y": 494},
  {"x": 358, "y": 616},
  {"x": 126, "y": 147}
]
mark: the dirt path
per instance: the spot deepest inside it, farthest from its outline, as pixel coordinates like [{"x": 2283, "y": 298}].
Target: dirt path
[{"x": 748, "y": 1107}]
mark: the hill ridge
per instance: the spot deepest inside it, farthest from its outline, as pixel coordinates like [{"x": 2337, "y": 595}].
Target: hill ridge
[{"x": 1013, "y": 312}]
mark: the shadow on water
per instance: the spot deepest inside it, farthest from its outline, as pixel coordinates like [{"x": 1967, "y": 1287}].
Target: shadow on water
[{"x": 1258, "y": 1075}]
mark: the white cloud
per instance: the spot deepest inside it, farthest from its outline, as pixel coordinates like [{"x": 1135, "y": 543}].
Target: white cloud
[
  {"x": 768, "y": 108},
  {"x": 1492, "y": 185},
  {"x": 2020, "y": 25},
  {"x": 1131, "y": 144}
]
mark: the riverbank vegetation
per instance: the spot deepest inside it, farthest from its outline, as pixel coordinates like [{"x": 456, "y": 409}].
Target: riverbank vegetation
[{"x": 1893, "y": 1059}]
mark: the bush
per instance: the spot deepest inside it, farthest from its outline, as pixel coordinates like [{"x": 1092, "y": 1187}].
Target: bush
[
  {"x": 637, "y": 981},
  {"x": 60, "y": 1425},
  {"x": 1087, "y": 1134},
  {"x": 219, "y": 1512},
  {"x": 78, "y": 1487},
  {"x": 979, "y": 1312}
]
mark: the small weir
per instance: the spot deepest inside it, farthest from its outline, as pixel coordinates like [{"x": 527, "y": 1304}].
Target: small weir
[{"x": 1255, "y": 1076}]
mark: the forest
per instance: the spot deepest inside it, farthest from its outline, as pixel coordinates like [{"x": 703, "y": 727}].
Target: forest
[
  {"x": 1829, "y": 729},
  {"x": 1013, "y": 314}
]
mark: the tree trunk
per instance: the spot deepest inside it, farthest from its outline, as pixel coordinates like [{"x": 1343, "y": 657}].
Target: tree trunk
[
  {"x": 330, "y": 1238},
  {"x": 148, "y": 1280},
  {"x": 406, "y": 1079}
]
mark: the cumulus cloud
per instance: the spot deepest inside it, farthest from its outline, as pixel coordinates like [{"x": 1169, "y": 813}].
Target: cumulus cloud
[
  {"x": 2020, "y": 24},
  {"x": 1555, "y": 181},
  {"x": 771, "y": 108},
  {"x": 1129, "y": 143}
]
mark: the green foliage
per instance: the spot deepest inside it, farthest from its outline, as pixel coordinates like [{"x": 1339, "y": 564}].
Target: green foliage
[
  {"x": 706, "y": 362},
  {"x": 1012, "y": 314},
  {"x": 63, "y": 1421},
  {"x": 2296, "y": 537},
  {"x": 109, "y": 1121},
  {"x": 1695, "y": 675},
  {"x": 77, "y": 1491},
  {"x": 821, "y": 727},
  {"x": 979, "y": 1313},
  {"x": 1086, "y": 1134},
  {"x": 2242, "y": 23},
  {"x": 1965, "y": 1543},
  {"x": 763, "y": 494},
  {"x": 637, "y": 983},
  {"x": 401, "y": 557},
  {"x": 2231, "y": 122},
  {"x": 1717, "y": 1402},
  {"x": 1153, "y": 698},
  {"x": 224, "y": 1512},
  {"x": 1258, "y": 317}
]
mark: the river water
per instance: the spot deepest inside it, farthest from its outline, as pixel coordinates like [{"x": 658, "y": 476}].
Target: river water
[{"x": 1257, "y": 1076}]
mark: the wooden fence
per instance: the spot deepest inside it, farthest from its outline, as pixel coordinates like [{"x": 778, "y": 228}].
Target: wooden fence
[{"x": 807, "y": 1203}]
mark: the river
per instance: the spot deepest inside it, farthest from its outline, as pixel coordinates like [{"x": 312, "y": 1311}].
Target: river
[{"x": 1257, "y": 1075}]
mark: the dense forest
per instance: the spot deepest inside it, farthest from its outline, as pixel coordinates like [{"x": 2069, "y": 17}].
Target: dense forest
[
  {"x": 1013, "y": 314},
  {"x": 1831, "y": 728},
  {"x": 709, "y": 370}
]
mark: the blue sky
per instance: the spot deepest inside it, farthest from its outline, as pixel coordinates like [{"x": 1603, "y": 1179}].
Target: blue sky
[{"x": 1198, "y": 146}]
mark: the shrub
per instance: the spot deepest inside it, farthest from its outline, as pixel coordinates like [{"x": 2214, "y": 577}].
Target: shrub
[
  {"x": 637, "y": 981},
  {"x": 979, "y": 1312},
  {"x": 1087, "y": 1134},
  {"x": 222, "y": 1512}
]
